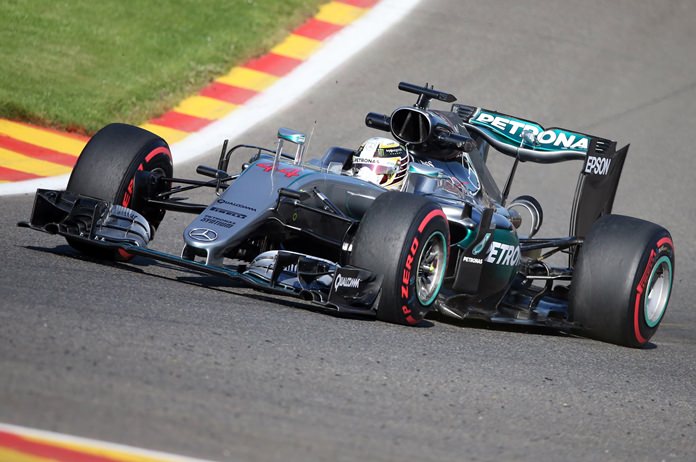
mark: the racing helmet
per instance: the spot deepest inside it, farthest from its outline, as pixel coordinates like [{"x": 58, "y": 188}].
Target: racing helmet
[{"x": 381, "y": 161}]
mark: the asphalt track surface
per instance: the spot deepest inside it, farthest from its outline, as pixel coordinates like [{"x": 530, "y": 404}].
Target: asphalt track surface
[{"x": 146, "y": 355}]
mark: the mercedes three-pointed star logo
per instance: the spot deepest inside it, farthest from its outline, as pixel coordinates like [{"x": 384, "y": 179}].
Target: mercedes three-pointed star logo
[{"x": 203, "y": 234}]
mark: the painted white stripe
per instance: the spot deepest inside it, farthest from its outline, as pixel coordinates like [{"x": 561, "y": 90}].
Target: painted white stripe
[
  {"x": 334, "y": 52},
  {"x": 30, "y": 186},
  {"x": 76, "y": 440}
]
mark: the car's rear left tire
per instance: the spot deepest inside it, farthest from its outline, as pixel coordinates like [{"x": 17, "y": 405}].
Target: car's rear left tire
[
  {"x": 404, "y": 238},
  {"x": 106, "y": 170},
  {"x": 622, "y": 280}
]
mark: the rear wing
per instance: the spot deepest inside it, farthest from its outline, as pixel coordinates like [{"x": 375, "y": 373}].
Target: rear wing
[
  {"x": 598, "y": 179},
  {"x": 525, "y": 139}
]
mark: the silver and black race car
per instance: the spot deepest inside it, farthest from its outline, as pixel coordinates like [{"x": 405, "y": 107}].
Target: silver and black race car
[{"x": 448, "y": 239}]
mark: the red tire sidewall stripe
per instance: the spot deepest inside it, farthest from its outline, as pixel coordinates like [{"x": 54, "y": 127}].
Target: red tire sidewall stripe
[
  {"x": 406, "y": 270},
  {"x": 129, "y": 190},
  {"x": 640, "y": 288},
  {"x": 160, "y": 150},
  {"x": 429, "y": 217},
  {"x": 666, "y": 240},
  {"x": 151, "y": 155},
  {"x": 125, "y": 255}
]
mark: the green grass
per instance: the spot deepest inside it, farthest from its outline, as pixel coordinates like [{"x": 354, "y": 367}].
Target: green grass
[{"x": 81, "y": 64}]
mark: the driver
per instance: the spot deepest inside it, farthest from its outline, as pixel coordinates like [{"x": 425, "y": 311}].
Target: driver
[{"x": 381, "y": 161}]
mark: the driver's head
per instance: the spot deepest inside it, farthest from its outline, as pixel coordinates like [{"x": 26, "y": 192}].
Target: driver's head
[{"x": 381, "y": 161}]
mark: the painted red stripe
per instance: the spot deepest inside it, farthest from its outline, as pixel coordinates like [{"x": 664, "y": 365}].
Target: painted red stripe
[
  {"x": 179, "y": 121},
  {"x": 360, "y": 3},
  {"x": 11, "y": 441},
  {"x": 228, "y": 93},
  {"x": 8, "y": 174},
  {"x": 317, "y": 30},
  {"x": 273, "y": 64},
  {"x": 36, "y": 152}
]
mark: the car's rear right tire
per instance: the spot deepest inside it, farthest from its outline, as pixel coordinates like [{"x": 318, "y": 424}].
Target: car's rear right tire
[
  {"x": 622, "y": 280},
  {"x": 404, "y": 238}
]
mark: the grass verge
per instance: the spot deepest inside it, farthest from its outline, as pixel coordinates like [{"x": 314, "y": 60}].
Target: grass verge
[{"x": 80, "y": 64}]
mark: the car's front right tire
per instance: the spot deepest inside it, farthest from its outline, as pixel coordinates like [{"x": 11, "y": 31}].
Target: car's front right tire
[{"x": 106, "y": 170}]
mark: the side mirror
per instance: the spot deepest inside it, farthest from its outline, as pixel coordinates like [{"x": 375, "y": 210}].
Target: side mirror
[
  {"x": 291, "y": 135},
  {"x": 425, "y": 170},
  {"x": 295, "y": 137}
]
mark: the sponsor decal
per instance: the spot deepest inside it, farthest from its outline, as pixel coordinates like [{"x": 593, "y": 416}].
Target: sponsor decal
[
  {"x": 387, "y": 161},
  {"x": 477, "y": 261},
  {"x": 481, "y": 245},
  {"x": 346, "y": 281},
  {"x": 406, "y": 276},
  {"x": 218, "y": 221},
  {"x": 511, "y": 130},
  {"x": 236, "y": 204},
  {"x": 392, "y": 151},
  {"x": 347, "y": 284},
  {"x": 381, "y": 147},
  {"x": 644, "y": 279},
  {"x": 597, "y": 165},
  {"x": 503, "y": 254},
  {"x": 288, "y": 172},
  {"x": 203, "y": 234},
  {"x": 228, "y": 212},
  {"x": 129, "y": 190}
]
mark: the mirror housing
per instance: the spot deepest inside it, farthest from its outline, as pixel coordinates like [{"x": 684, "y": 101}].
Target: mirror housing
[{"x": 292, "y": 136}]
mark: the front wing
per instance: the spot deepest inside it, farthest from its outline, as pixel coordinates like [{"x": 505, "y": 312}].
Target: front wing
[{"x": 97, "y": 223}]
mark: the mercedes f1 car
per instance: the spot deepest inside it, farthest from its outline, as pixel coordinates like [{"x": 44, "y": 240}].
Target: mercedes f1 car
[{"x": 448, "y": 239}]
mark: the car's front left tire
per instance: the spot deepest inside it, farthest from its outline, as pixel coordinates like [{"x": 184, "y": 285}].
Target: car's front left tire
[{"x": 405, "y": 238}]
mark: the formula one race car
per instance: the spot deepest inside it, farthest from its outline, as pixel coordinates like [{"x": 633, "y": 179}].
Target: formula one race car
[{"x": 393, "y": 230}]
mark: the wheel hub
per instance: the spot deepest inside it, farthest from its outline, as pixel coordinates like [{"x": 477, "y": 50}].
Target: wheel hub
[
  {"x": 659, "y": 288},
  {"x": 431, "y": 268}
]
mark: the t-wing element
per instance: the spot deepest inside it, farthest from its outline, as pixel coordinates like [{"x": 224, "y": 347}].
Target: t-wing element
[
  {"x": 292, "y": 136},
  {"x": 425, "y": 94}
]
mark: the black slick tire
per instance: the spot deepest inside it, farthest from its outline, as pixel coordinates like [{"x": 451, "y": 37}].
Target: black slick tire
[
  {"x": 622, "y": 280},
  {"x": 404, "y": 238},
  {"x": 106, "y": 170}
]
